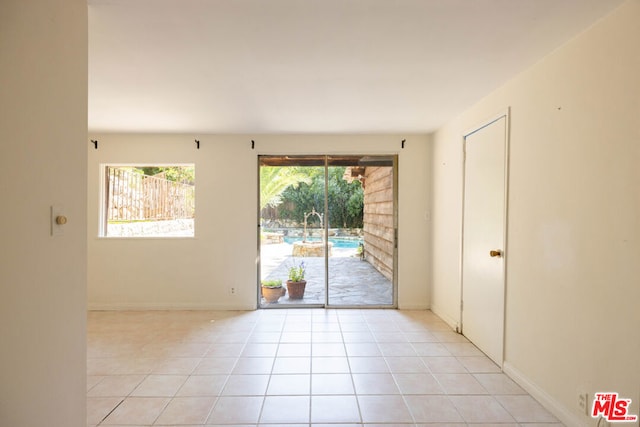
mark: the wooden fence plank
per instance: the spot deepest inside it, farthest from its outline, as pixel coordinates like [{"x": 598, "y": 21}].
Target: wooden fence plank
[{"x": 133, "y": 196}]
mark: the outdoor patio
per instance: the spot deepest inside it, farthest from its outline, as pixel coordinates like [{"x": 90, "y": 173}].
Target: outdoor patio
[{"x": 352, "y": 281}]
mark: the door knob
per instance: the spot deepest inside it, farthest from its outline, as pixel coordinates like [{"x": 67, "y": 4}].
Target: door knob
[{"x": 497, "y": 253}]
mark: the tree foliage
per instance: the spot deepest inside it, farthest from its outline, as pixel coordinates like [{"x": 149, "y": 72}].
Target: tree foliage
[
  {"x": 274, "y": 180},
  {"x": 183, "y": 174},
  {"x": 345, "y": 199}
]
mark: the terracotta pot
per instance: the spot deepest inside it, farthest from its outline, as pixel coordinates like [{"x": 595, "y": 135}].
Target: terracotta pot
[
  {"x": 271, "y": 294},
  {"x": 296, "y": 289}
]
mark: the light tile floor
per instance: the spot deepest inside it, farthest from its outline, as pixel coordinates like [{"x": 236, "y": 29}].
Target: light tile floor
[{"x": 294, "y": 367}]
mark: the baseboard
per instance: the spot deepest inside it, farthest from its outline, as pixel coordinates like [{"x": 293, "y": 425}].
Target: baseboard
[
  {"x": 446, "y": 318},
  {"x": 221, "y": 307},
  {"x": 168, "y": 307},
  {"x": 413, "y": 307},
  {"x": 228, "y": 307},
  {"x": 560, "y": 411}
]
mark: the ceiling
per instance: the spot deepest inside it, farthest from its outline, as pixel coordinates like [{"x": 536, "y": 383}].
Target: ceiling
[{"x": 312, "y": 66}]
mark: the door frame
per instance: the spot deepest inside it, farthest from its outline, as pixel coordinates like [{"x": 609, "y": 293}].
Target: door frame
[
  {"x": 326, "y": 304},
  {"x": 506, "y": 113}
]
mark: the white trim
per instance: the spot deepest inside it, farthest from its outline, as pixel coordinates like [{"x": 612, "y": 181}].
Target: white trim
[
  {"x": 463, "y": 161},
  {"x": 560, "y": 411},
  {"x": 506, "y": 113},
  {"x": 484, "y": 123},
  {"x": 404, "y": 307},
  {"x": 168, "y": 307}
]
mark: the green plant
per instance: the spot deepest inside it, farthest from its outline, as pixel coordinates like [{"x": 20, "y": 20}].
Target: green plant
[
  {"x": 272, "y": 283},
  {"x": 274, "y": 180},
  {"x": 296, "y": 272}
]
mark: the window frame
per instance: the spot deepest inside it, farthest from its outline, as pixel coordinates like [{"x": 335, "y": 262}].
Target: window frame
[{"x": 103, "y": 199}]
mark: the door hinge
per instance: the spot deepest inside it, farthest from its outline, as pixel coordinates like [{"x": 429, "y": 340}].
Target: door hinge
[{"x": 395, "y": 238}]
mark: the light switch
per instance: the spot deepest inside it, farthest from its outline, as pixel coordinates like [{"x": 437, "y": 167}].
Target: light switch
[{"x": 58, "y": 220}]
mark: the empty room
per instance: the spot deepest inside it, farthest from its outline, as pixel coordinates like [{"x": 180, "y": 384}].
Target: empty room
[{"x": 320, "y": 213}]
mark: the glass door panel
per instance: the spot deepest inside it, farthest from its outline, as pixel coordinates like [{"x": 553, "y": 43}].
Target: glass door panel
[
  {"x": 361, "y": 230},
  {"x": 291, "y": 219}
]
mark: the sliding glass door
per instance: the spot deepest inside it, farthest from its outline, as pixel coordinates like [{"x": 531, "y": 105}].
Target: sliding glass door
[{"x": 333, "y": 221}]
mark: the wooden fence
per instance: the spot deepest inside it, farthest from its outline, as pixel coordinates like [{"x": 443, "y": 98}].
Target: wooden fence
[{"x": 133, "y": 196}]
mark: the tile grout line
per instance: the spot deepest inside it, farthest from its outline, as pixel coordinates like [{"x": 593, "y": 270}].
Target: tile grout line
[
  {"x": 110, "y": 412},
  {"x": 264, "y": 396},
  {"x": 311, "y": 373},
  {"x": 216, "y": 398},
  {"x": 353, "y": 383}
]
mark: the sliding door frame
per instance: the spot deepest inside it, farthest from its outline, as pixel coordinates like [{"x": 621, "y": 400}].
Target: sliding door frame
[{"x": 325, "y": 231}]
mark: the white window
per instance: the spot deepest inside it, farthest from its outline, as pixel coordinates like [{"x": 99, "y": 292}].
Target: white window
[{"x": 148, "y": 201}]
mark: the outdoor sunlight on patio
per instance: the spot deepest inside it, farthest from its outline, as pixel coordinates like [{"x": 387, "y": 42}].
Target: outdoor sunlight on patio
[{"x": 353, "y": 281}]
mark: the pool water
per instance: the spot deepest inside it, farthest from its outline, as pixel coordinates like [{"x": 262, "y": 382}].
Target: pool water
[{"x": 337, "y": 242}]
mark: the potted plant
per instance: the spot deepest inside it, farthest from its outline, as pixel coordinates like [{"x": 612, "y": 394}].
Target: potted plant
[
  {"x": 272, "y": 290},
  {"x": 296, "y": 282}
]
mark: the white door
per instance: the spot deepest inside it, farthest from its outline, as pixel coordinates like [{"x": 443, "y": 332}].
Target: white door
[{"x": 484, "y": 214}]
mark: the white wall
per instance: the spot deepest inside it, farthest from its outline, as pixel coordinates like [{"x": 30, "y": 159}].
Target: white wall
[
  {"x": 43, "y": 130},
  {"x": 572, "y": 316},
  {"x": 197, "y": 272}
]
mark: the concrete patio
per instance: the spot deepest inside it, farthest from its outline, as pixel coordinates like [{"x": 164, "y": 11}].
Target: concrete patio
[{"x": 352, "y": 281}]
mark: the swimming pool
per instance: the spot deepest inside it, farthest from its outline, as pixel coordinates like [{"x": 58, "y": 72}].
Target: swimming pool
[{"x": 342, "y": 243}]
